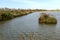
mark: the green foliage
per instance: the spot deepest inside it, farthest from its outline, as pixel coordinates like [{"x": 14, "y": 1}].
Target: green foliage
[
  {"x": 6, "y": 16},
  {"x": 6, "y": 13},
  {"x": 47, "y": 19}
]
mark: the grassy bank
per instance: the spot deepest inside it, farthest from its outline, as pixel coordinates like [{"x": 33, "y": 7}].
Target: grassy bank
[{"x": 6, "y": 13}]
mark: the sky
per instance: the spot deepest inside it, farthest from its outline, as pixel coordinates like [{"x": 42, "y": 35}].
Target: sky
[{"x": 30, "y": 4}]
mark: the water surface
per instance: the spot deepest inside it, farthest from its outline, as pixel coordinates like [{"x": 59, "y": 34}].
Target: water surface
[{"x": 10, "y": 30}]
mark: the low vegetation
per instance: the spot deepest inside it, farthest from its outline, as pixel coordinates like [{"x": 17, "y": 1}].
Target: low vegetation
[
  {"x": 47, "y": 19},
  {"x": 30, "y": 36},
  {"x": 6, "y": 13}
]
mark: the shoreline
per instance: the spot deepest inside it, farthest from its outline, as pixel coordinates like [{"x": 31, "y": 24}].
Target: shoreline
[{"x": 7, "y": 14}]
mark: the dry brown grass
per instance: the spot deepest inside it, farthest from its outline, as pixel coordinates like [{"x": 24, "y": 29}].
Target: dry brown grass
[{"x": 30, "y": 36}]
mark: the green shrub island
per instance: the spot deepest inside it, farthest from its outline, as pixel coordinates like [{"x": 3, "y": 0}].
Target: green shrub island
[{"x": 47, "y": 19}]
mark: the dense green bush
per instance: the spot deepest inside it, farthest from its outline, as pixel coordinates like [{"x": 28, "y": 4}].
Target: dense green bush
[
  {"x": 6, "y": 16},
  {"x": 47, "y": 19}
]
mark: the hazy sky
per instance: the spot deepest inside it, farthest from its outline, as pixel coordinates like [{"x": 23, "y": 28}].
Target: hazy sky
[{"x": 33, "y": 4}]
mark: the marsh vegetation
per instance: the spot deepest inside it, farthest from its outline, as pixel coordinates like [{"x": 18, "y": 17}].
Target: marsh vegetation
[
  {"x": 6, "y": 13},
  {"x": 47, "y": 19}
]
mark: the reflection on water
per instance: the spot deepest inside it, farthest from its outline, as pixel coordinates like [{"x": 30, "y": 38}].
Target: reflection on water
[{"x": 12, "y": 29}]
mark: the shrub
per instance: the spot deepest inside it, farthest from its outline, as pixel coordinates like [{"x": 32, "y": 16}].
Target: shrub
[
  {"x": 47, "y": 19},
  {"x": 6, "y": 16}
]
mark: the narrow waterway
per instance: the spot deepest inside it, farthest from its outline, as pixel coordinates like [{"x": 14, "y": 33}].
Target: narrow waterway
[{"x": 10, "y": 30}]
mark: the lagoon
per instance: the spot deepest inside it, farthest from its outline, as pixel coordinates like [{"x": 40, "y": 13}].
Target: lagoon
[{"x": 11, "y": 29}]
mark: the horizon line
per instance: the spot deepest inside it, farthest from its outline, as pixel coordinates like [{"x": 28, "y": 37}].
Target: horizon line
[{"x": 31, "y": 8}]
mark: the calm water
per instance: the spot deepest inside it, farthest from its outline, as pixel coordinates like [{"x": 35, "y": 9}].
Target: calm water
[{"x": 10, "y": 30}]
